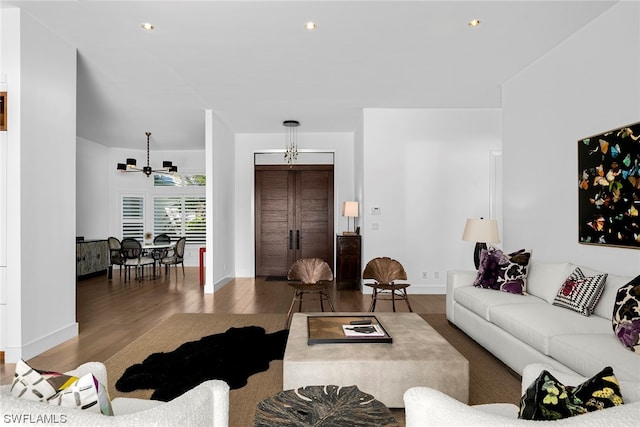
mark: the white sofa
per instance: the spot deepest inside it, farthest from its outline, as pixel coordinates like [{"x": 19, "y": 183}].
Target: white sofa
[
  {"x": 525, "y": 329},
  {"x": 204, "y": 405},
  {"x": 425, "y": 406}
]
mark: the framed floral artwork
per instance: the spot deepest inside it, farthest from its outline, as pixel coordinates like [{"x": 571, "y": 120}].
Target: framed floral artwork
[{"x": 609, "y": 188}]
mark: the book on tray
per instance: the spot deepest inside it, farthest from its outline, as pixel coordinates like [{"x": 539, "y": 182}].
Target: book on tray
[{"x": 363, "y": 331}]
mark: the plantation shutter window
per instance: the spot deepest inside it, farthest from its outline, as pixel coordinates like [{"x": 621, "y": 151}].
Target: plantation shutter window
[
  {"x": 195, "y": 225},
  {"x": 133, "y": 217},
  {"x": 180, "y": 216}
]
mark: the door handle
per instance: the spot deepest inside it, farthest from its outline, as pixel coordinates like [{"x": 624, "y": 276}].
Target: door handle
[
  {"x": 290, "y": 239},
  {"x": 297, "y": 239}
]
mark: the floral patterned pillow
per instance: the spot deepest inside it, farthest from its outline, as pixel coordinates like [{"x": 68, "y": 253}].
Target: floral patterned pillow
[
  {"x": 503, "y": 272},
  {"x": 549, "y": 399},
  {"x": 626, "y": 315}
]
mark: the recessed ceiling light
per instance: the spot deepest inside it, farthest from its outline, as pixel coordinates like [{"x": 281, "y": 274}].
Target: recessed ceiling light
[
  {"x": 310, "y": 25},
  {"x": 147, "y": 26},
  {"x": 474, "y": 22}
]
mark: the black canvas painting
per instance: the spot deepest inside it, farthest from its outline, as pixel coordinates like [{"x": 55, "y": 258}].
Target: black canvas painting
[{"x": 609, "y": 188}]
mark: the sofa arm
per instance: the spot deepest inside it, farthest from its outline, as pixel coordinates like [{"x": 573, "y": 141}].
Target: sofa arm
[
  {"x": 424, "y": 406},
  {"x": 207, "y": 404},
  {"x": 456, "y": 279}
]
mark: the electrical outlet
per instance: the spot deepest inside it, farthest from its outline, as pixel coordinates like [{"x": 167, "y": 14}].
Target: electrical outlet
[
  {"x": 375, "y": 226},
  {"x": 436, "y": 275},
  {"x": 425, "y": 275}
]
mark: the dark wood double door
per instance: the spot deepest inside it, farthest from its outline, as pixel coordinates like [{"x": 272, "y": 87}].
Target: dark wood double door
[{"x": 294, "y": 216}]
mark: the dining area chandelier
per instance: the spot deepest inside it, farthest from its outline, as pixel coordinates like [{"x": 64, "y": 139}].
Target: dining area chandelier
[
  {"x": 131, "y": 164},
  {"x": 291, "y": 140}
]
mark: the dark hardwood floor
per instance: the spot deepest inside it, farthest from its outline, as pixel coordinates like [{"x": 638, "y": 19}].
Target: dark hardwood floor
[{"x": 112, "y": 314}]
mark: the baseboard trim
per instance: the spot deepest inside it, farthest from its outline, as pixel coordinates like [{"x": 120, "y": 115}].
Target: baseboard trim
[
  {"x": 40, "y": 345},
  {"x": 208, "y": 289}
]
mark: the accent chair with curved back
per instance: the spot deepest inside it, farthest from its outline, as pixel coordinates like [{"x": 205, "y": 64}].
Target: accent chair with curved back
[
  {"x": 177, "y": 257},
  {"x": 310, "y": 276},
  {"x": 385, "y": 271},
  {"x": 132, "y": 255},
  {"x": 115, "y": 255}
]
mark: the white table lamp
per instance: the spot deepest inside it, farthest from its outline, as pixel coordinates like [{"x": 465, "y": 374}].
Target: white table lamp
[{"x": 350, "y": 210}]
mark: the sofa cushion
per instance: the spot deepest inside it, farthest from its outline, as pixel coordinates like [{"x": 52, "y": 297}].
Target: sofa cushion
[
  {"x": 480, "y": 300},
  {"x": 535, "y": 324},
  {"x": 505, "y": 272},
  {"x": 626, "y": 315},
  {"x": 586, "y": 353},
  {"x": 545, "y": 278},
  {"x": 580, "y": 293},
  {"x": 604, "y": 307},
  {"x": 547, "y": 398}
]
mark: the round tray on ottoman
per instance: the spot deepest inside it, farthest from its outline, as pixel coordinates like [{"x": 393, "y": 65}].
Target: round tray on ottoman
[{"x": 325, "y": 406}]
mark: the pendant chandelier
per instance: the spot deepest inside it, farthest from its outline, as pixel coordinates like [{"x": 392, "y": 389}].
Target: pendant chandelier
[
  {"x": 130, "y": 166},
  {"x": 291, "y": 140}
]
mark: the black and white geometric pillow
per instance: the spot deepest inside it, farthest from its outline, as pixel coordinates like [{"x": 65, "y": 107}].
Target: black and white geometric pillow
[
  {"x": 86, "y": 394},
  {"x": 29, "y": 384},
  {"x": 580, "y": 293}
]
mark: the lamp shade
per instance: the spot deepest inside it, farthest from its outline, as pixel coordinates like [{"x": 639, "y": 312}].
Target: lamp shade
[
  {"x": 481, "y": 230},
  {"x": 350, "y": 209}
]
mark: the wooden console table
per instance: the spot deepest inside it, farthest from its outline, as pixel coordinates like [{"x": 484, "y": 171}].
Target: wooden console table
[{"x": 348, "y": 261}]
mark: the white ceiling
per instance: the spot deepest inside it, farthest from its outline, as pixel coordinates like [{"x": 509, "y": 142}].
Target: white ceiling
[{"x": 256, "y": 65}]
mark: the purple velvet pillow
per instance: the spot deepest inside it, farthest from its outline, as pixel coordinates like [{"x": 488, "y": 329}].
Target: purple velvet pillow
[
  {"x": 488, "y": 269},
  {"x": 503, "y": 272}
]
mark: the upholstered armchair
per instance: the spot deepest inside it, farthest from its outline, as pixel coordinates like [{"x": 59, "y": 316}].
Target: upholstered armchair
[
  {"x": 206, "y": 404},
  {"x": 425, "y": 406}
]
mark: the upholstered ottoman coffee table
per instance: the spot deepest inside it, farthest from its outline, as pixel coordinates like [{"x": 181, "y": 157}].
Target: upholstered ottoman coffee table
[{"x": 418, "y": 356}]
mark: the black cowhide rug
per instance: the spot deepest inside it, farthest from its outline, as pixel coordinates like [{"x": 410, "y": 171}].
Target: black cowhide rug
[{"x": 231, "y": 356}]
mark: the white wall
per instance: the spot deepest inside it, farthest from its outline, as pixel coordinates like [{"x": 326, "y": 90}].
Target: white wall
[
  {"x": 248, "y": 144},
  {"x": 220, "y": 193},
  {"x": 586, "y": 85},
  {"x": 92, "y": 190},
  {"x": 41, "y": 144},
  {"x": 427, "y": 171}
]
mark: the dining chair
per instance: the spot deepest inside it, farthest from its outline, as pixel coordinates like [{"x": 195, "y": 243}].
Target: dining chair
[
  {"x": 310, "y": 276},
  {"x": 158, "y": 254},
  {"x": 385, "y": 271},
  {"x": 115, "y": 256},
  {"x": 176, "y": 257},
  {"x": 133, "y": 257}
]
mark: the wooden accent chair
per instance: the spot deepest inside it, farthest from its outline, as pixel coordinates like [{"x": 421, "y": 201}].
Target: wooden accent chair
[
  {"x": 310, "y": 276},
  {"x": 385, "y": 271}
]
